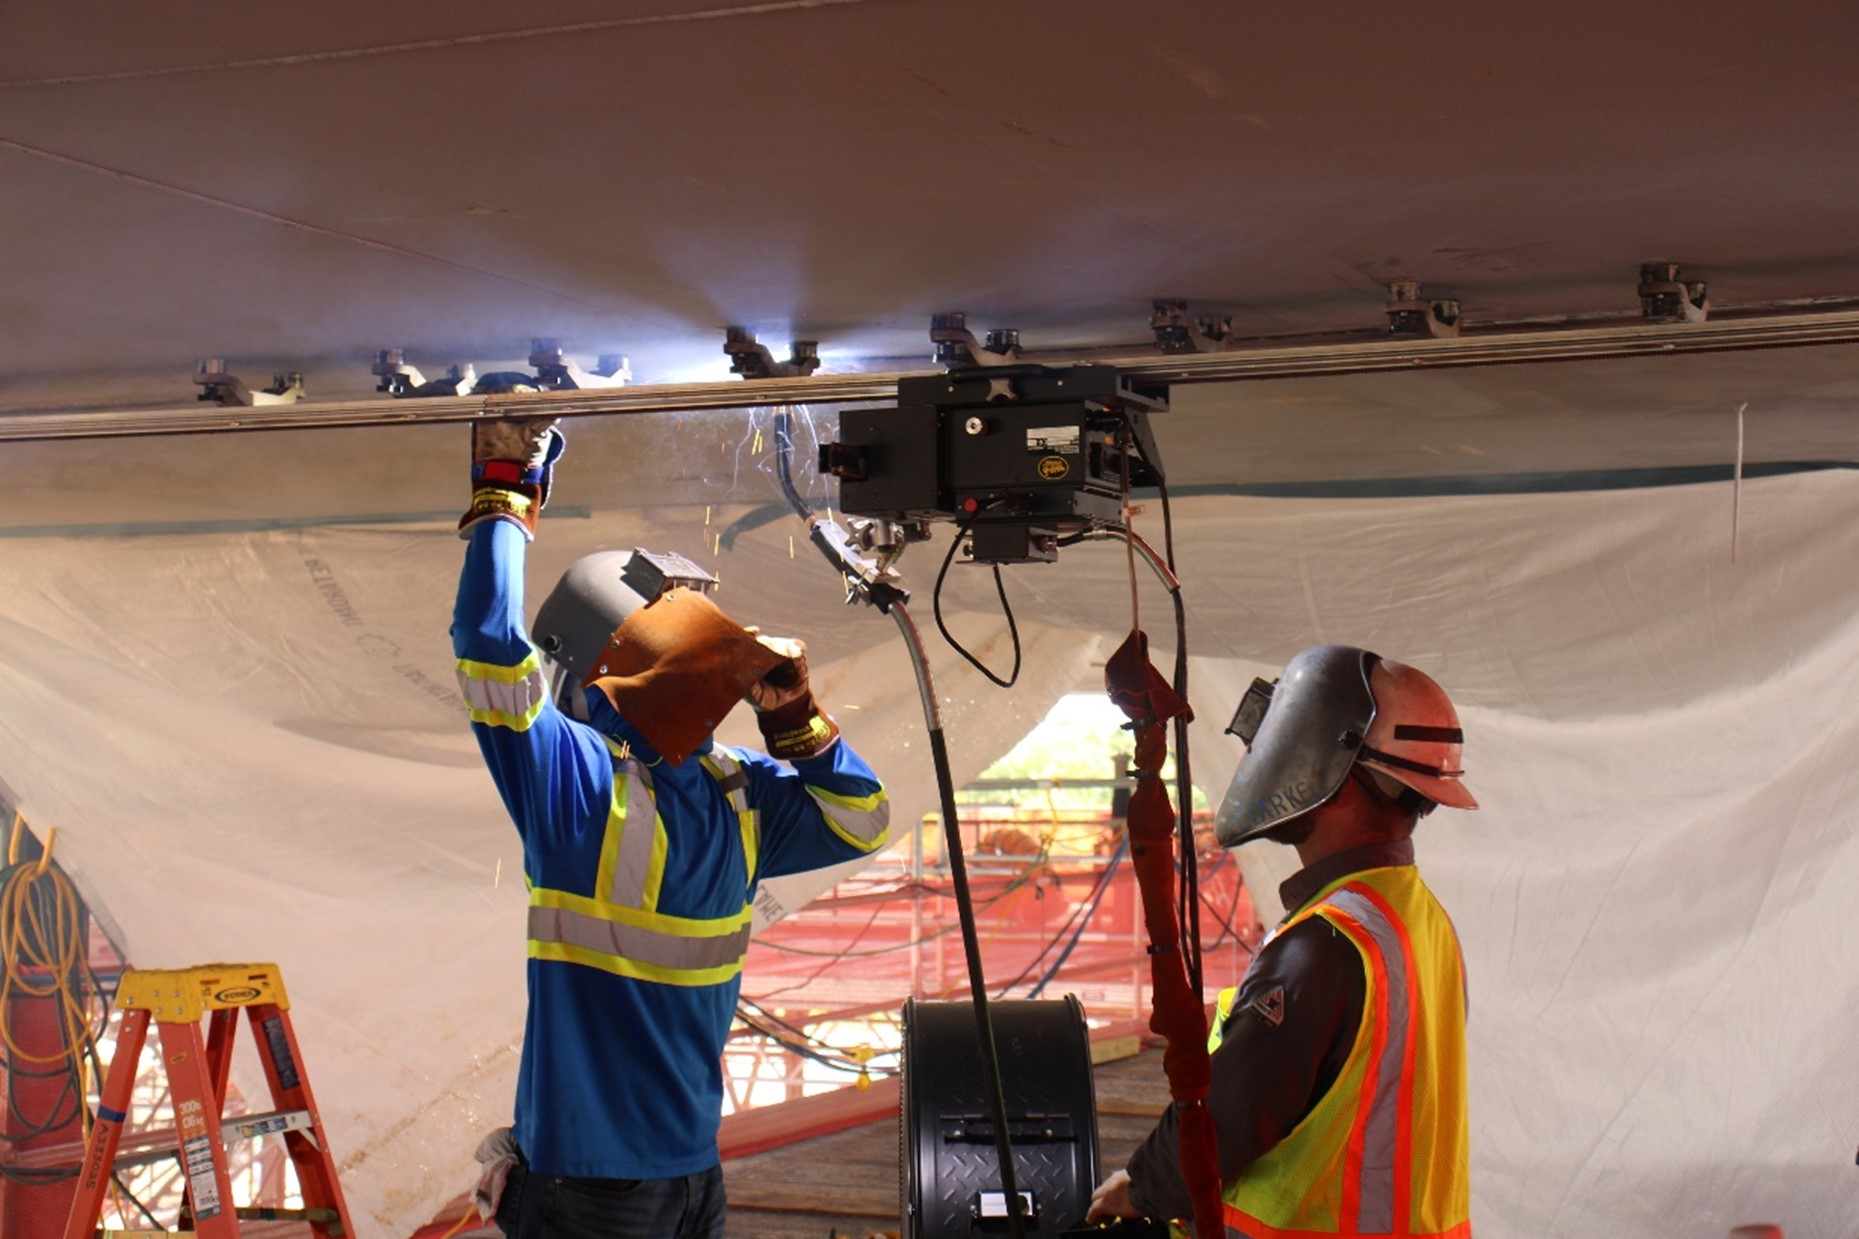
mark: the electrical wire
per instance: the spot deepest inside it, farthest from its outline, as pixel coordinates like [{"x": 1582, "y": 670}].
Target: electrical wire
[
  {"x": 1189, "y": 899},
  {"x": 42, "y": 932},
  {"x": 1000, "y": 588},
  {"x": 1096, "y": 901},
  {"x": 1019, "y": 880}
]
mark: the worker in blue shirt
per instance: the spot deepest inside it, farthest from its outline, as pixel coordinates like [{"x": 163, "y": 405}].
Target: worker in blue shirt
[{"x": 643, "y": 841}]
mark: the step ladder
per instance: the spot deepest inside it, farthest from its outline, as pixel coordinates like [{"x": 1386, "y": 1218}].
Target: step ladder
[{"x": 176, "y": 1001}]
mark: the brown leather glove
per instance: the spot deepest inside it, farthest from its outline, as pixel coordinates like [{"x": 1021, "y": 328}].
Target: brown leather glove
[
  {"x": 793, "y": 726},
  {"x": 512, "y": 460}
]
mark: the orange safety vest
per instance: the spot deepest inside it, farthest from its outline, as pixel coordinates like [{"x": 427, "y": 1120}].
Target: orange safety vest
[{"x": 1386, "y": 1151}]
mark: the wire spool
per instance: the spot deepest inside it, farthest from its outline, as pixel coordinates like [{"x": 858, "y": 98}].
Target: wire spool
[{"x": 947, "y": 1135}]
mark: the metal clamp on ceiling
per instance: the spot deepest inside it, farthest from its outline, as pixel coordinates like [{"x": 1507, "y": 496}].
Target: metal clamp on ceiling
[
  {"x": 559, "y": 372},
  {"x": 1413, "y": 316},
  {"x": 222, "y": 387},
  {"x": 398, "y": 378},
  {"x": 1666, "y": 298},
  {"x": 751, "y": 359},
  {"x": 1178, "y": 331}
]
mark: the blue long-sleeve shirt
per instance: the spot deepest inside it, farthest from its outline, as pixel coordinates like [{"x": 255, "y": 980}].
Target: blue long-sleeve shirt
[{"x": 621, "y": 1072}]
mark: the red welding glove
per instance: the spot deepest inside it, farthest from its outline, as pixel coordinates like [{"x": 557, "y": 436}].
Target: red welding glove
[
  {"x": 511, "y": 463},
  {"x": 793, "y": 726}
]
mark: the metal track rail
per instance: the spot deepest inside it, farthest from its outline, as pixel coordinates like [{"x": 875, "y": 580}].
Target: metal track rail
[{"x": 1370, "y": 356}]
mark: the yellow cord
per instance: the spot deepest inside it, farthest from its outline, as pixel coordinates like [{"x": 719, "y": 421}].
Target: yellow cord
[
  {"x": 24, "y": 933},
  {"x": 471, "y": 1211}
]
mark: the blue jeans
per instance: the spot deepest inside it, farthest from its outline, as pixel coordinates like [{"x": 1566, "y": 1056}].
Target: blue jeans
[{"x": 537, "y": 1206}]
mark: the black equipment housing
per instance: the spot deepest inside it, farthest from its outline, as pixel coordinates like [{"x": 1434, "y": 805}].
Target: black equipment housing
[
  {"x": 946, "y": 1130},
  {"x": 1019, "y": 455}
]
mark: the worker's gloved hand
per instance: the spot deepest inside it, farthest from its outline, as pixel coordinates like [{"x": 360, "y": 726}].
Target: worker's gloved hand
[
  {"x": 792, "y": 725},
  {"x": 512, "y": 460}
]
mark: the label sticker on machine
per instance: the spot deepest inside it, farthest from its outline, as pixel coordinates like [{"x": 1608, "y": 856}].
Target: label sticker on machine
[{"x": 1052, "y": 439}]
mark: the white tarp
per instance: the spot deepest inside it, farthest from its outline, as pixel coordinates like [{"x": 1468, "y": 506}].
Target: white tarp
[{"x": 247, "y": 732}]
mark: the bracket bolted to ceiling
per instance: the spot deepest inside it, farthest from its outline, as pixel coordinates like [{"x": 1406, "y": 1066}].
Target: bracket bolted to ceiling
[
  {"x": 1665, "y": 298},
  {"x": 751, "y": 359},
  {"x": 398, "y": 377},
  {"x": 957, "y": 347},
  {"x": 1177, "y": 331},
  {"x": 1412, "y": 316},
  {"x": 221, "y": 386},
  {"x": 559, "y": 372}
]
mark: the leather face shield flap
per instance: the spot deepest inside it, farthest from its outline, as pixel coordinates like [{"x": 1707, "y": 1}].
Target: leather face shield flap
[
  {"x": 1309, "y": 737},
  {"x": 676, "y": 667}
]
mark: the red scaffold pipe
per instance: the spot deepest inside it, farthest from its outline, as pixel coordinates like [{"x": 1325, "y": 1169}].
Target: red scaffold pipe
[{"x": 1138, "y": 689}]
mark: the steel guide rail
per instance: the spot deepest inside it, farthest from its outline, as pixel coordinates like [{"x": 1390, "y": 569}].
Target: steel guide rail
[{"x": 1477, "y": 348}]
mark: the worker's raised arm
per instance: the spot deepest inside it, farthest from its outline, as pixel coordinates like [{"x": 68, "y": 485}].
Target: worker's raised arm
[
  {"x": 544, "y": 768},
  {"x": 826, "y": 806}
]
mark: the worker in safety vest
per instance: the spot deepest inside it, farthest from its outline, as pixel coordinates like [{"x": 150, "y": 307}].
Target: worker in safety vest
[
  {"x": 1339, "y": 1091},
  {"x": 643, "y": 841}
]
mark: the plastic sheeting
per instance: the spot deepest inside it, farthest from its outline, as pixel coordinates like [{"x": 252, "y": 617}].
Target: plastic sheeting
[{"x": 246, "y": 728}]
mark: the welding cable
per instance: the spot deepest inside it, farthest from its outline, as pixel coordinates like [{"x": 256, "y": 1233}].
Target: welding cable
[
  {"x": 1000, "y": 588},
  {"x": 1184, "y": 776},
  {"x": 1187, "y": 881}
]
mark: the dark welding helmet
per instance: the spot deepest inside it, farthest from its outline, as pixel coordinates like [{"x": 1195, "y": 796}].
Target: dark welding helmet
[
  {"x": 640, "y": 627},
  {"x": 1336, "y": 705}
]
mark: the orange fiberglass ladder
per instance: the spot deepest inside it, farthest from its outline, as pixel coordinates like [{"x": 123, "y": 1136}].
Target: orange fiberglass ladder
[{"x": 176, "y": 1001}]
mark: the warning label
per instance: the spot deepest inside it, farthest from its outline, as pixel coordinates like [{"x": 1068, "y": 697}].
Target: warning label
[
  {"x": 1063, "y": 439},
  {"x": 201, "y": 1181}
]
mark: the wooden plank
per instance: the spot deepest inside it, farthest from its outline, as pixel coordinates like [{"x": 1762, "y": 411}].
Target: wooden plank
[
  {"x": 806, "y": 1118},
  {"x": 845, "y": 1200}
]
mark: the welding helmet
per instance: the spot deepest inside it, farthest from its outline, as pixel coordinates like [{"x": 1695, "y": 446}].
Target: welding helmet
[
  {"x": 498, "y": 381},
  {"x": 640, "y": 627},
  {"x": 1336, "y": 706}
]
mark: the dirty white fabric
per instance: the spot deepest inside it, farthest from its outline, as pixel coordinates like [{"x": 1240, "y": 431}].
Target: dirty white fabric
[{"x": 224, "y": 674}]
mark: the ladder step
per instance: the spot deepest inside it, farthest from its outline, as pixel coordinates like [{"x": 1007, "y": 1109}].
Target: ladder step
[{"x": 147, "y": 1147}]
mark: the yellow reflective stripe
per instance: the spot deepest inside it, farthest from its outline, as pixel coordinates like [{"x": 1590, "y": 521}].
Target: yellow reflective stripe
[
  {"x": 660, "y": 922},
  {"x": 726, "y": 768},
  {"x": 862, "y": 821},
  {"x": 500, "y": 696},
  {"x": 1223, "y": 1007},
  {"x": 499, "y": 673},
  {"x": 610, "y": 840},
  {"x": 646, "y": 946},
  {"x": 619, "y": 965},
  {"x": 852, "y": 804},
  {"x": 751, "y": 842}
]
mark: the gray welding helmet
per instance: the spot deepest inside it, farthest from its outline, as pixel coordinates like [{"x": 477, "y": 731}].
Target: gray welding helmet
[
  {"x": 1335, "y": 706},
  {"x": 1302, "y": 734},
  {"x": 577, "y": 621}
]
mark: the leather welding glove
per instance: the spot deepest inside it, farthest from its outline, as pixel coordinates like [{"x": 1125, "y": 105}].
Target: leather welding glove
[
  {"x": 792, "y": 724},
  {"x": 512, "y": 460}
]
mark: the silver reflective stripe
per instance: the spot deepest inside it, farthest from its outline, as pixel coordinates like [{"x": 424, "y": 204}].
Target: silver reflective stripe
[
  {"x": 515, "y": 701},
  {"x": 865, "y": 827},
  {"x": 633, "y": 863},
  {"x": 647, "y": 946},
  {"x": 1380, "y": 1131},
  {"x": 729, "y": 776}
]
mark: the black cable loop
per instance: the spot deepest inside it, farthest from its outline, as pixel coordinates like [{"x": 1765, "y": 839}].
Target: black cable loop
[{"x": 1000, "y": 588}]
